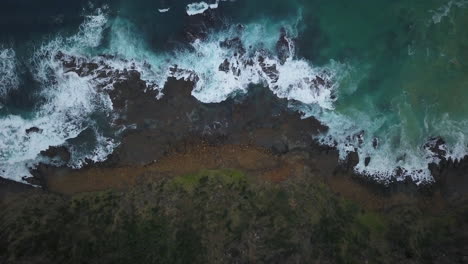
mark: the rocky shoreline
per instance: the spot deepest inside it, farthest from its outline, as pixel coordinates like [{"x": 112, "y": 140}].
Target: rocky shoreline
[
  {"x": 159, "y": 128},
  {"x": 181, "y": 163},
  {"x": 252, "y": 142}
]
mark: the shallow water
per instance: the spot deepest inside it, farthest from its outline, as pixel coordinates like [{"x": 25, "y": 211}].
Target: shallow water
[{"x": 399, "y": 71}]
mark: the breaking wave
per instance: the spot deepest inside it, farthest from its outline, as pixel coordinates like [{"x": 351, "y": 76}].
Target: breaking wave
[
  {"x": 227, "y": 62},
  {"x": 200, "y": 7},
  {"x": 69, "y": 101},
  {"x": 221, "y": 65},
  {"x": 444, "y": 11}
]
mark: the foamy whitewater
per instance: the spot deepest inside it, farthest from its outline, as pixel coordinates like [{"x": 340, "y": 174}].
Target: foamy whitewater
[
  {"x": 200, "y": 7},
  {"x": 379, "y": 158},
  {"x": 444, "y": 11},
  {"x": 221, "y": 65},
  {"x": 70, "y": 100},
  {"x": 164, "y": 10},
  {"x": 291, "y": 80}
]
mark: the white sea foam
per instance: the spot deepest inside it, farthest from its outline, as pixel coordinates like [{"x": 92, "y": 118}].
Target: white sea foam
[
  {"x": 388, "y": 153},
  {"x": 386, "y": 159},
  {"x": 455, "y": 134},
  {"x": 164, "y": 10},
  {"x": 70, "y": 99},
  {"x": 443, "y": 11},
  {"x": 90, "y": 32},
  {"x": 9, "y": 79},
  {"x": 98, "y": 149},
  {"x": 63, "y": 117},
  {"x": 251, "y": 59},
  {"x": 197, "y": 8},
  {"x": 201, "y": 7},
  {"x": 294, "y": 79}
]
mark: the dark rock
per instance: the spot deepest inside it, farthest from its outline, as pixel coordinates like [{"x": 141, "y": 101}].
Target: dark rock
[
  {"x": 280, "y": 147},
  {"x": 257, "y": 118},
  {"x": 437, "y": 147},
  {"x": 88, "y": 69},
  {"x": 352, "y": 160},
  {"x": 33, "y": 130},
  {"x": 319, "y": 81},
  {"x": 367, "y": 161},
  {"x": 59, "y": 152},
  {"x": 9, "y": 187},
  {"x": 199, "y": 25},
  {"x": 233, "y": 44},
  {"x": 133, "y": 75},
  {"x": 284, "y": 47},
  {"x": 236, "y": 71},
  {"x": 359, "y": 137},
  {"x": 224, "y": 66},
  {"x": 269, "y": 70},
  {"x": 322, "y": 82},
  {"x": 67, "y": 60},
  {"x": 375, "y": 142}
]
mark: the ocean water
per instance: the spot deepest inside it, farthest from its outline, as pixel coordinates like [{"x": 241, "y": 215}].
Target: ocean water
[{"x": 394, "y": 73}]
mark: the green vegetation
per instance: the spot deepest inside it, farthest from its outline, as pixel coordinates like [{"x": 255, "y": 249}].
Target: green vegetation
[
  {"x": 220, "y": 216},
  {"x": 228, "y": 177}
]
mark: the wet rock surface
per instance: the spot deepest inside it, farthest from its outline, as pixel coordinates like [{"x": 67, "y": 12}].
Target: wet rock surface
[
  {"x": 234, "y": 44},
  {"x": 258, "y": 118},
  {"x": 155, "y": 128},
  {"x": 436, "y": 147},
  {"x": 33, "y": 130},
  {"x": 284, "y": 46},
  {"x": 224, "y": 66},
  {"x": 61, "y": 153}
]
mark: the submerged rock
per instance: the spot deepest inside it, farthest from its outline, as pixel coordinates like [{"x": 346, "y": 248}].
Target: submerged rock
[
  {"x": 436, "y": 147},
  {"x": 33, "y": 130},
  {"x": 284, "y": 46},
  {"x": 367, "y": 161},
  {"x": 234, "y": 44},
  {"x": 60, "y": 152},
  {"x": 375, "y": 143},
  {"x": 269, "y": 69},
  {"x": 224, "y": 66}
]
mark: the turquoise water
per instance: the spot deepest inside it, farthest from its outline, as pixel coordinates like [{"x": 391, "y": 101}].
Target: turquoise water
[
  {"x": 409, "y": 75},
  {"x": 399, "y": 70}
]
